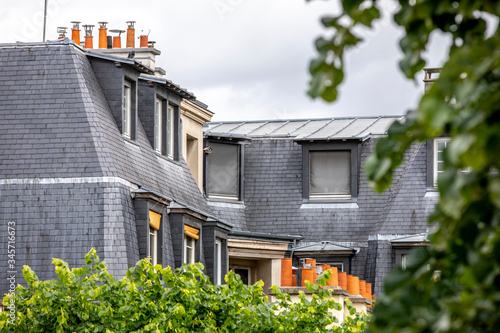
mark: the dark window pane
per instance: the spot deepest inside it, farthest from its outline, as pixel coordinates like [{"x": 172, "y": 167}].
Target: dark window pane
[
  {"x": 329, "y": 173},
  {"x": 223, "y": 170}
]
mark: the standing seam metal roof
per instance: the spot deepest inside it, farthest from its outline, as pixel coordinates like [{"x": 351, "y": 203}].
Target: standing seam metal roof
[{"x": 305, "y": 129}]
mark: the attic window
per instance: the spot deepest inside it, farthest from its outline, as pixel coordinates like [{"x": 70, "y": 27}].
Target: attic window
[
  {"x": 129, "y": 110},
  {"x": 329, "y": 175},
  {"x": 330, "y": 171},
  {"x": 223, "y": 171}
]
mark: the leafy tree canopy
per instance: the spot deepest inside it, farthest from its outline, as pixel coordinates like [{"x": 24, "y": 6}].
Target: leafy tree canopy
[
  {"x": 156, "y": 299},
  {"x": 464, "y": 104}
]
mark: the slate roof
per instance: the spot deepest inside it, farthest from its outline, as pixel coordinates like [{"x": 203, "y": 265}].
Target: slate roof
[
  {"x": 304, "y": 129},
  {"x": 56, "y": 123}
]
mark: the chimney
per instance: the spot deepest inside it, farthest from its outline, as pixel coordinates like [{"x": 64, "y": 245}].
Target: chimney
[
  {"x": 62, "y": 32},
  {"x": 75, "y": 32},
  {"x": 428, "y": 79},
  {"x": 89, "y": 42},
  {"x": 117, "y": 40},
  {"x": 103, "y": 35},
  {"x": 130, "y": 34},
  {"x": 144, "y": 39}
]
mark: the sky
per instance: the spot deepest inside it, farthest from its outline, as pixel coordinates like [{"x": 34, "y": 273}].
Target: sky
[{"x": 245, "y": 59}]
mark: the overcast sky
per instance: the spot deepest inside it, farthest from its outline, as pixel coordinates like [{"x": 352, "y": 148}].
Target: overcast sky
[{"x": 246, "y": 59}]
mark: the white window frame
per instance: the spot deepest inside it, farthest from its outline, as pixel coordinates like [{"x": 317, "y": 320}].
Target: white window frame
[
  {"x": 435, "y": 159},
  {"x": 127, "y": 109},
  {"x": 337, "y": 264},
  {"x": 158, "y": 125},
  {"x": 170, "y": 135},
  {"x": 218, "y": 262},
  {"x": 153, "y": 244},
  {"x": 189, "y": 243},
  {"x": 404, "y": 259}
]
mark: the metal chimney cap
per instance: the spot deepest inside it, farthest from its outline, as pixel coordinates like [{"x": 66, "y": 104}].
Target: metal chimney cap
[
  {"x": 102, "y": 25},
  {"x": 117, "y": 31}
]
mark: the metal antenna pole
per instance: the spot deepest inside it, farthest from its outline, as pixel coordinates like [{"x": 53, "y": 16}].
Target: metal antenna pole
[{"x": 44, "y": 20}]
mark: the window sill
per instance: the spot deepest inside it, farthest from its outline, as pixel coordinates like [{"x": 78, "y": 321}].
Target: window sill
[
  {"x": 431, "y": 193},
  {"x": 330, "y": 205},
  {"x": 226, "y": 204},
  {"x": 131, "y": 141},
  {"x": 166, "y": 158}
]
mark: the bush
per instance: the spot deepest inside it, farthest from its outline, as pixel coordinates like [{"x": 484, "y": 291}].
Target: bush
[{"x": 156, "y": 299}]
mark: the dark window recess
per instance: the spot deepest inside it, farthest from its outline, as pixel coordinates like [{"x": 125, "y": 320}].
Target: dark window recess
[
  {"x": 244, "y": 274},
  {"x": 223, "y": 171}
]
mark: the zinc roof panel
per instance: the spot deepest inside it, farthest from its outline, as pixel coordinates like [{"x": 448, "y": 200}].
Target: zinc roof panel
[
  {"x": 330, "y": 129},
  {"x": 267, "y": 128},
  {"x": 355, "y": 128},
  {"x": 380, "y": 127},
  {"x": 310, "y": 127}
]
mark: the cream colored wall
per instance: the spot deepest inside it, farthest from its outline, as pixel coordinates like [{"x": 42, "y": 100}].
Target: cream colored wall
[
  {"x": 194, "y": 130},
  {"x": 193, "y": 117}
]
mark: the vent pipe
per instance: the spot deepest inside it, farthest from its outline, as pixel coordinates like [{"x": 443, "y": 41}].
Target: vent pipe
[
  {"x": 62, "y": 32},
  {"x": 130, "y": 34},
  {"x": 75, "y": 32},
  {"x": 89, "y": 42},
  {"x": 103, "y": 35}
]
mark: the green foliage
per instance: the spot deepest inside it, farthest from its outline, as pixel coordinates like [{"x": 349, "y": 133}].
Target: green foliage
[
  {"x": 453, "y": 285},
  {"x": 156, "y": 299}
]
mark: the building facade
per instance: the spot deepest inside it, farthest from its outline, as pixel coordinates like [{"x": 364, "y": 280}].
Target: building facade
[
  {"x": 99, "y": 149},
  {"x": 306, "y": 178},
  {"x": 91, "y": 154}
]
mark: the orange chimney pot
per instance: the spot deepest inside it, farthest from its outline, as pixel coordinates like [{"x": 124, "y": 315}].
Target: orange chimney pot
[
  {"x": 143, "y": 41},
  {"x": 130, "y": 34},
  {"x": 75, "y": 32},
  {"x": 334, "y": 278},
  {"x": 362, "y": 288},
  {"x": 343, "y": 280},
  {"x": 308, "y": 274},
  {"x": 88, "y": 36},
  {"x": 103, "y": 35},
  {"x": 286, "y": 272},
  {"x": 353, "y": 285}
]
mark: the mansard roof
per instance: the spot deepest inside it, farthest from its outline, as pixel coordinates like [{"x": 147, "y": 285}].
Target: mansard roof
[{"x": 57, "y": 124}]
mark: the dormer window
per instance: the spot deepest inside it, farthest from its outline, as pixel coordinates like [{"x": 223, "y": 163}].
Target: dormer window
[
  {"x": 223, "y": 171},
  {"x": 165, "y": 127},
  {"x": 329, "y": 175},
  {"x": 438, "y": 165},
  {"x": 171, "y": 120},
  {"x": 330, "y": 171},
  {"x": 127, "y": 112},
  {"x": 159, "y": 125},
  {"x": 129, "y": 109}
]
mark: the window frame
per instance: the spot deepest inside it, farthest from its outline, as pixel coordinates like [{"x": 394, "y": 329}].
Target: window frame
[
  {"x": 308, "y": 147},
  {"x": 246, "y": 268},
  {"x": 171, "y": 129},
  {"x": 435, "y": 161},
  {"x": 218, "y": 262},
  {"x": 159, "y": 125},
  {"x": 192, "y": 258},
  {"x": 154, "y": 256},
  {"x": 206, "y": 183},
  {"x": 129, "y": 109}
]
